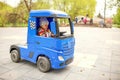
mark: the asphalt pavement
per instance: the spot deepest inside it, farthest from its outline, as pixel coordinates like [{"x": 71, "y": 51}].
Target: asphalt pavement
[{"x": 96, "y": 57}]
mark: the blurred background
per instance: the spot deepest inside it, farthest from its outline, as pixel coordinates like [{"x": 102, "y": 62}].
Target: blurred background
[{"x": 15, "y": 13}]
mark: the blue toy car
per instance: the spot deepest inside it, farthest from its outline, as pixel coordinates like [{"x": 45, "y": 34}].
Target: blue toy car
[{"x": 47, "y": 52}]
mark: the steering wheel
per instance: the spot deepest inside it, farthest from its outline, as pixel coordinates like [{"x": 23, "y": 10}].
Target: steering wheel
[{"x": 61, "y": 33}]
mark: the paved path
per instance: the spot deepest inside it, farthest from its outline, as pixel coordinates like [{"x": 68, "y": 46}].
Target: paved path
[{"x": 97, "y": 56}]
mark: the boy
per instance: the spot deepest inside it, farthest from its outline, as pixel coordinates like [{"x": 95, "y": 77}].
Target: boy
[{"x": 43, "y": 30}]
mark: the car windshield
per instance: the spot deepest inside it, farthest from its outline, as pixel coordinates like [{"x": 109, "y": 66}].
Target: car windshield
[{"x": 64, "y": 26}]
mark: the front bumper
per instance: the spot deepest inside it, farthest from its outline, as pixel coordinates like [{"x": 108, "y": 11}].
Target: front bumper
[{"x": 61, "y": 64}]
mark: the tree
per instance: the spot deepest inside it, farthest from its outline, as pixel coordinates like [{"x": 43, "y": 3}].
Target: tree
[
  {"x": 117, "y": 17},
  {"x": 28, "y": 4},
  {"x": 22, "y": 12},
  {"x": 63, "y": 5},
  {"x": 41, "y": 4},
  {"x": 76, "y": 8},
  {"x": 4, "y": 12}
]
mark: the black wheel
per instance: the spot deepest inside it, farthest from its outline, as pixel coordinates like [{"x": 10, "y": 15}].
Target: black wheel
[
  {"x": 43, "y": 64},
  {"x": 15, "y": 56}
]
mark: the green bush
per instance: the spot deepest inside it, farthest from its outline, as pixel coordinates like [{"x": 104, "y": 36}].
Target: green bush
[{"x": 116, "y": 18}]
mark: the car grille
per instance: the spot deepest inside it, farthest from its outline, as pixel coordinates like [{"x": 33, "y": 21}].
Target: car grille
[
  {"x": 68, "y": 51},
  {"x": 68, "y": 48}
]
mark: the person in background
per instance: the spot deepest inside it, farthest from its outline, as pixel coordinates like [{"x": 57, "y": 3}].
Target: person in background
[
  {"x": 91, "y": 21},
  {"x": 76, "y": 20}
]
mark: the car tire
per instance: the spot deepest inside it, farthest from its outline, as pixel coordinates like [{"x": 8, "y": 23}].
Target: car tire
[
  {"x": 43, "y": 64},
  {"x": 15, "y": 56}
]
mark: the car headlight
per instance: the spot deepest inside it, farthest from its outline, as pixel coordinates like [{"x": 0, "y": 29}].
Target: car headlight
[{"x": 60, "y": 58}]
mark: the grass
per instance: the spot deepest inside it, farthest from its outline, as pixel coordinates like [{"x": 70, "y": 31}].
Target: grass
[
  {"x": 116, "y": 25},
  {"x": 15, "y": 25}
]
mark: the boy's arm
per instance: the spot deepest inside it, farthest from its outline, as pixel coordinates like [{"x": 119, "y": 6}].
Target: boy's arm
[
  {"x": 41, "y": 32},
  {"x": 52, "y": 35}
]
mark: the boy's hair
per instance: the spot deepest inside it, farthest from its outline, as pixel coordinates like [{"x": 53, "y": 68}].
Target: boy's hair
[{"x": 43, "y": 21}]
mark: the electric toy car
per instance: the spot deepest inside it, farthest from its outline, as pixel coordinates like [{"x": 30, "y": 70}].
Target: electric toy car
[{"x": 47, "y": 52}]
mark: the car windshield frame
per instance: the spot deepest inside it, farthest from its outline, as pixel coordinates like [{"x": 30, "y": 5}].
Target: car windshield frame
[{"x": 58, "y": 28}]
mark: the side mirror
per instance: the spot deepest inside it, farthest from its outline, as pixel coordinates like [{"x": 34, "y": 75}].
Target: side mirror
[{"x": 53, "y": 27}]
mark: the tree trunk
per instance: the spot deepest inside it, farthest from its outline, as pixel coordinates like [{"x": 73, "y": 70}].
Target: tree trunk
[{"x": 28, "y": 6}]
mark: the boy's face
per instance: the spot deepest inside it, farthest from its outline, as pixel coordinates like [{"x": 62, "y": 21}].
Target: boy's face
[{"x": 45, "y": 27}]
